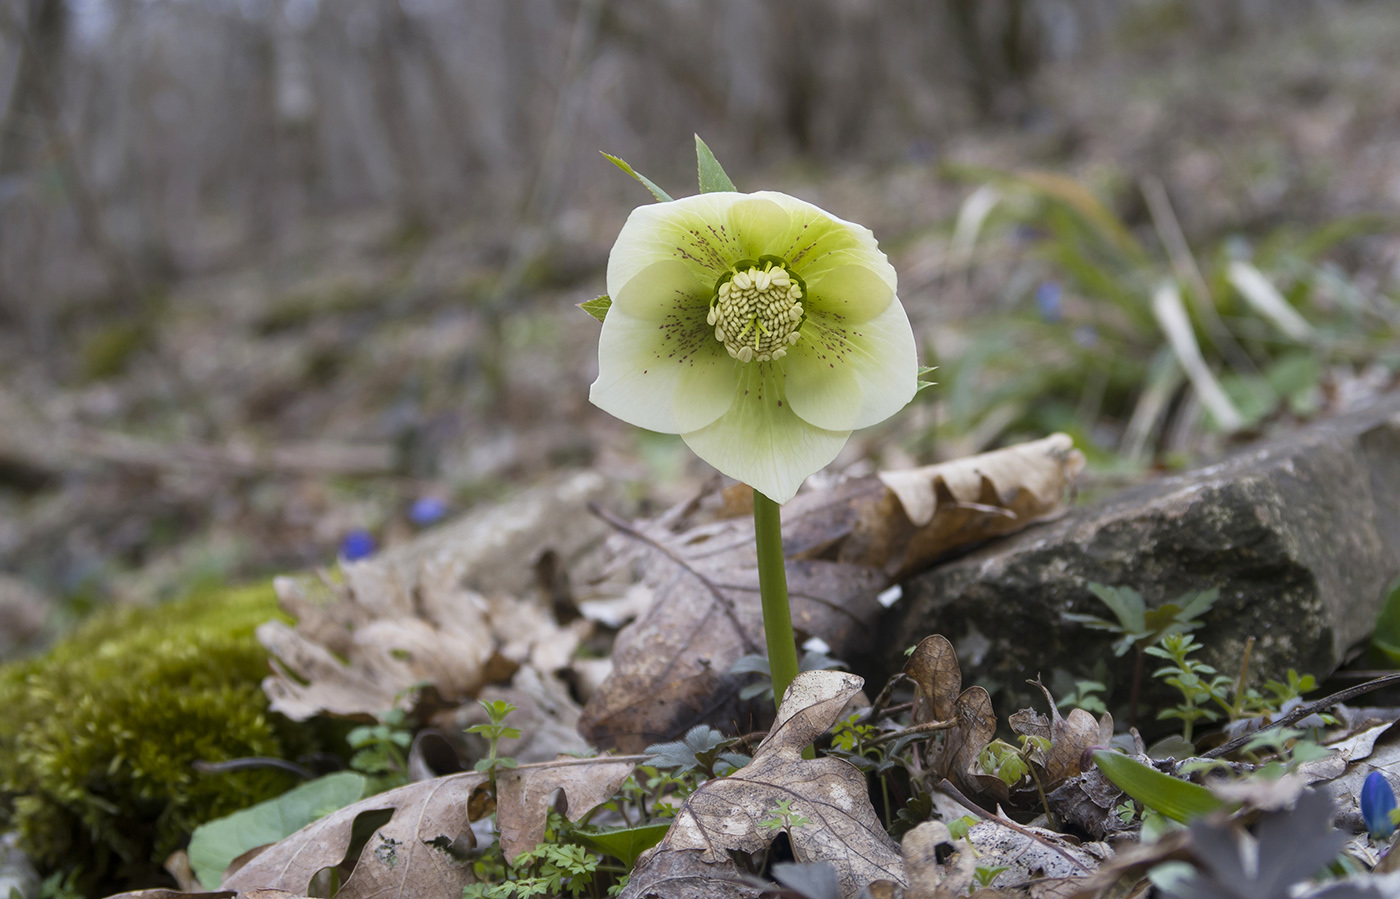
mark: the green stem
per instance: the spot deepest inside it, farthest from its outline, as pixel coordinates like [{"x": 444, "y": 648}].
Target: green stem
[{"x": 772, "y": 586}]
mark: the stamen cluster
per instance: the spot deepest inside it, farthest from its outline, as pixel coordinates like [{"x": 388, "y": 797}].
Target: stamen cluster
[{"x": 756, "y": 313}]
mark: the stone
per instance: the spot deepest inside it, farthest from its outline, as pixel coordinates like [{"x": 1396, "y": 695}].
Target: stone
[{"x": 1300, "y": 534}]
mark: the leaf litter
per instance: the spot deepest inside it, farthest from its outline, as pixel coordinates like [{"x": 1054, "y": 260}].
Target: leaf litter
[
  {"x": 727, "y": 814},
  {"x": 425, "y": 619}
]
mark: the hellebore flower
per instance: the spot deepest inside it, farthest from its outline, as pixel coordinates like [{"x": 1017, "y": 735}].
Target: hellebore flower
[
  {"x": 1377, "y": 802},
  {"x": 760, "y": 328}
]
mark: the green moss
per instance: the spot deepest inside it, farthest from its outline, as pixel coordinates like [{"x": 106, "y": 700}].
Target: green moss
[
  {"x": 107, "y": 353},
  {"x": 99, "y": 737}
]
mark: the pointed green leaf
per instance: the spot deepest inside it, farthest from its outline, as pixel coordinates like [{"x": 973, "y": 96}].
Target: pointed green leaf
[
  {"x": 1125, "y": 603},
  {"x": 625, "y": 844},
  {"x": 1197, "y": 604},
  {"x": 1178, "y": 799},
  {"x": 597, "y": 307},
  {"x": 650, "y": 185},
  {"x": 712, "y": 176}
]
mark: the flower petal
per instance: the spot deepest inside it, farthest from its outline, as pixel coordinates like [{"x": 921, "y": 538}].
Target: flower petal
[
  {"x": 761, "y": 442},
  {"x": 850, "y": 294},
  {"x": 659, "y": 365},
  {"x": 695, "y": 230},
  {"x": 662, "y": 291},
  {"x": 842, "y": 377},
  {"x": 816, "y": 241}
]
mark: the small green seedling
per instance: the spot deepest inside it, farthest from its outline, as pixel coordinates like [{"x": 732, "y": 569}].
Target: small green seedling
[{"x": 494, "y": 733}]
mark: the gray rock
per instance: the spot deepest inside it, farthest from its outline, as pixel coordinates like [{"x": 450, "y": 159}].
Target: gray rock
[{"x": 1300, "y": 534}]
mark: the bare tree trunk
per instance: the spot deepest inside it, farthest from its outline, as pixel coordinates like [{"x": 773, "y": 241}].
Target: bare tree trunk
[
  {"x": 36, "y": 94},
  {"x": 42, "y": 34},
  {"x": 391, "y": 107}
]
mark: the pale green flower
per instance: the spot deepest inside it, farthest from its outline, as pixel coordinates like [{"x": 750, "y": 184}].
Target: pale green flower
[{"x": 760, "y": 328}]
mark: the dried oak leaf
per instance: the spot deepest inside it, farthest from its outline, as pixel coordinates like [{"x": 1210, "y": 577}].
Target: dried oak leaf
[
  {"x": 362, "y": 646},
  {"x": 671, "y": 666},
  {"x": 416, "y": 852},
  {"x": 440, "y": 610},
  {"x": 525, "y": 796},
  {"x": 726, "y": 814},
  {"x": 933, "y": 510}
]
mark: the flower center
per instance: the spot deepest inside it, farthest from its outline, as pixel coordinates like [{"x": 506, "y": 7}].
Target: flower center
[{"x": 757, "y": 310}]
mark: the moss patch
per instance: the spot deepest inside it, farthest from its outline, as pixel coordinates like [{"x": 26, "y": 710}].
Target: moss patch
[{"x": 99, "y": 737}]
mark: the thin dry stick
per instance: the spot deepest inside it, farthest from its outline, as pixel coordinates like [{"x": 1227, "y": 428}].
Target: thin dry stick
[
  {"x": 925, "y": 728},
  {"x": 725, "y": 604},
  {"x": 1304, "y": 711},
  {"x": 947, "y": 788}
]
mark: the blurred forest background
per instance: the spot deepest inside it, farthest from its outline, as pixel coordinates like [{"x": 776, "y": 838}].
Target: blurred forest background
[{"x": 277, "y": 272}]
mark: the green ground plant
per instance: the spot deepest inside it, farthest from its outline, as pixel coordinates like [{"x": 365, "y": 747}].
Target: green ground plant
[
  {"x": 1102, "y": 328},
  {"x": 100, "y": 736}
]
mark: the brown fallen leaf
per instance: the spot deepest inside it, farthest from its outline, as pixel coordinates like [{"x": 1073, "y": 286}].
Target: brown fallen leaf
[
  {"x": 727, "y": 814},
  {"x": 1087, "y": 803},
  {"x": 964, "y": 501},
  {"x": 456, "y": 609},
  {"x": 671, "y": 666},
  {"x": 933, "y": 666},
  {"x": 1069, "y": 738},
  {"x": 415, "y": 853},
  {"x": 525, "y": 796}
]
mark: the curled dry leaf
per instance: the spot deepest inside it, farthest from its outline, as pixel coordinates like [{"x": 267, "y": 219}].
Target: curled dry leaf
[
  {"x": 1087, "y": 804},
  {"x": 432, "y": 612},
  {"x": 1069, "y": 738},
  {"x": 728, "y": 814},
  {"x": 968, "y": 500},
  {"x": 526, "y": 796},
  {"x": 933, "y": 666},
  {"x": 416, "y": 852}
]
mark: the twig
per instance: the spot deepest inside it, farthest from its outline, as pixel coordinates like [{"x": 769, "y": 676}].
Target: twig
[
  {"x": 1304, "y": 711},
  {"x": 592, "y": 760},
  {"x": 946, "y": 788},
  {"x": 925, "y": 728},
  {"x": 1244, "y": 674},
  {"x": 724, "y": 602}
]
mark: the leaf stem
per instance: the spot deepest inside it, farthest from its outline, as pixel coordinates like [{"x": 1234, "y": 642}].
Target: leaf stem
[{"x": 772, "y": 588}]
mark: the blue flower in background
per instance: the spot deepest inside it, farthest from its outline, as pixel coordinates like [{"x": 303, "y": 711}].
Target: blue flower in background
[
  {"x": 427, "y": 510},
  {"x": 1377, "y": 802},
  {"x": 1047, "y": 302},
  {"x": 357, "y": 545}
]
